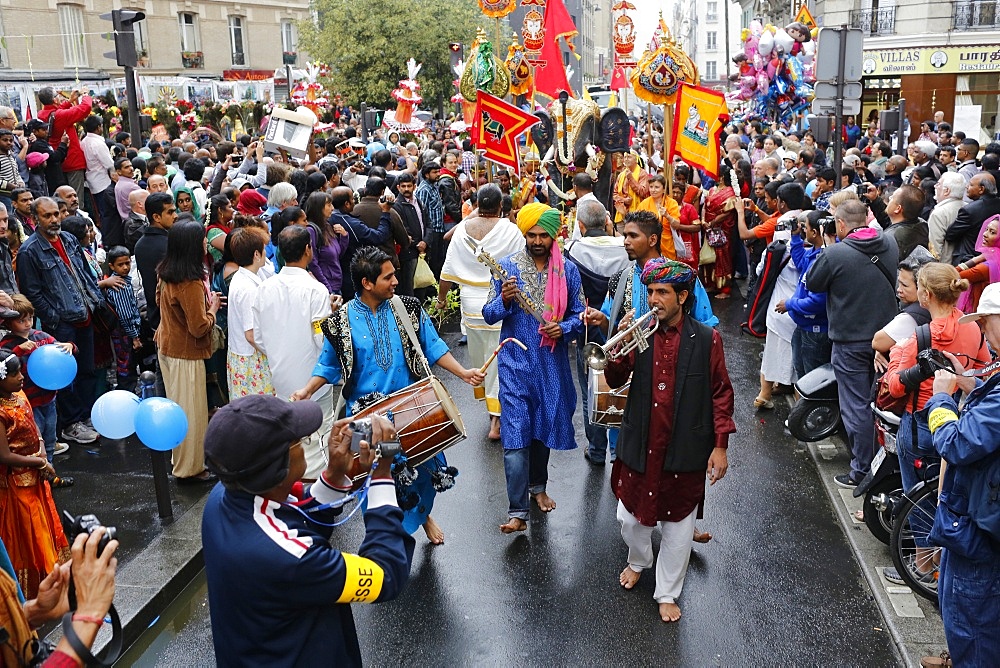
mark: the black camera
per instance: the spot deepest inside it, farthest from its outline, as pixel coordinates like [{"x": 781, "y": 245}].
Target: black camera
[
  {"x": 362, "y": 431},
  {"x": 88, "y": 524},
  {"x": 929, "y": 360}
]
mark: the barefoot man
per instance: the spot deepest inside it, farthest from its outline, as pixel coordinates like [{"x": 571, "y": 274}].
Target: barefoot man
[
  {"x": 367, "y": 346},
  {"x": 537, "y": 395},
  {"x": 499, "y": 238},
  {"x": 681, "y": 410}
]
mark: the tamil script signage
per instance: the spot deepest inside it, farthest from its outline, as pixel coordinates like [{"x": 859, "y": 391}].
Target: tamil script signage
[{"x": 931, "y": 60}]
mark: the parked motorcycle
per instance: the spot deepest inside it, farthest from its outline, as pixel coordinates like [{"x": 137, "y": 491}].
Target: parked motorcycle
[
  {"x": 883, "y": 486},
  {"x": 816, "y": 415}
]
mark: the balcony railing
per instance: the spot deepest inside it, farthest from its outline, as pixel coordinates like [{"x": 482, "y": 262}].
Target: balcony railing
[
  {"x": 976, "y": 15},
  {"x": 193, "y": 60},
  {"x": 874, "y": 21}
]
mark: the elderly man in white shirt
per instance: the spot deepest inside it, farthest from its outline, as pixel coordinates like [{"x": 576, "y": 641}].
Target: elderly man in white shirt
[
  {"x": 287, "y": 312},
  {"x": 949, "y": 193}
]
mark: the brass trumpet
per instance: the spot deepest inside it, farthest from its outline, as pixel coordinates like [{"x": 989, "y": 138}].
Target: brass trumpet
[{"x": 634, "y": 337}]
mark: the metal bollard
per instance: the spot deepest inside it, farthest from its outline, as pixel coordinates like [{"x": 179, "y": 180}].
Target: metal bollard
[{"x": 147, "y": 388}]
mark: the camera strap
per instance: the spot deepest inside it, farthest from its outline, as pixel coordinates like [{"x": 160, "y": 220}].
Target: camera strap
[
  {"x": 111, "y": 652},
  {"x": 358, "y": 495}
]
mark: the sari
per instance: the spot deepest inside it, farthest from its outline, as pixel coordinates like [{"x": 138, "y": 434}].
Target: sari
[
  {"x": 720, "y": 201},
  {"x": 29, "y": 522},
  {"x": 667, "y": 208},
  {"x": 983, "y": 273}
]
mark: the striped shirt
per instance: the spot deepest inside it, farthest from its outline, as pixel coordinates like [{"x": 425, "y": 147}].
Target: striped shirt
[
  {"x": 428, "y": 195},
  {"x": 123, "y": 301},
  {"x": 10, "y": 177}
]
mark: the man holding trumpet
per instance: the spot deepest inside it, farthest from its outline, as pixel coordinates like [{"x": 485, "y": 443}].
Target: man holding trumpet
[{"x": 675, "y": 429}]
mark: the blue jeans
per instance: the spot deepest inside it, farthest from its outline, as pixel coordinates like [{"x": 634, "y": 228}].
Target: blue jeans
[
  {"x": 75, "y": 402},
  {"x": 852, "y": 363},
  {"x": 527, "y": 471},
  {"x": 809, "y": 350},
  {"x": 45, "y": 419},
  {"x": 969, "y": 592},
  {"x": 597, "y": 436}
]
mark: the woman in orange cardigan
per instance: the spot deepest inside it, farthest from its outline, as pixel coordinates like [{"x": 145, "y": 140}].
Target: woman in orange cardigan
[
  {"x": 184, "y": 340},
  {"x": 666, "y": 209}
]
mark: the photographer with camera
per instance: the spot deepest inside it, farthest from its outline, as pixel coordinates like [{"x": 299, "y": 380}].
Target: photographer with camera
[
  {"x": 92, "y": 572},
  {"x": 913, "y": 361},
  {"x": 275, "y": 585}
]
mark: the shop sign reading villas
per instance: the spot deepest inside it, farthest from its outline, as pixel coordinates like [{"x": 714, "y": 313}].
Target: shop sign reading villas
[{"x": 931, "y": 60}]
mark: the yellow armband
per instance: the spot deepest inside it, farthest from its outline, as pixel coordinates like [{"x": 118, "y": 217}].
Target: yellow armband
[
  {"x": 939, "y": 417},
  {"x": 362, "y": 579}
]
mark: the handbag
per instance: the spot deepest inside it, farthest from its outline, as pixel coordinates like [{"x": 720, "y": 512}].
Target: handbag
[
  {"x": 218, "y": 339},
  {"x": 105, "y": 317},
  {"x": 680, "y": 248},
  {"x": 706, "y": 255},
  {"x": 423, "y": 277},
  {"x": 717, "y": 237}
]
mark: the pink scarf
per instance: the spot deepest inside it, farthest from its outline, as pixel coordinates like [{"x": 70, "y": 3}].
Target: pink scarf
[{"x": 556, "y": 294}]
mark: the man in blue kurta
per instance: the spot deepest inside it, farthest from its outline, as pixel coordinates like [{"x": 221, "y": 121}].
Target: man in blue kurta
[
  {"x": 368, "y": 349},
  {"x": 540, "y": 304}
]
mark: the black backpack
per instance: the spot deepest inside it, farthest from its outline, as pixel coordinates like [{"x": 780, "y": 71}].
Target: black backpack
[{"x": 776, "y": 256}]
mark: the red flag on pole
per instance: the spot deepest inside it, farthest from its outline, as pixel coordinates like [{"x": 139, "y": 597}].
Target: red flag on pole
[
  {"x": 496, "y": 127},
  {"x": 619, "y": 79},
  {"x": 550, "y": 77}
]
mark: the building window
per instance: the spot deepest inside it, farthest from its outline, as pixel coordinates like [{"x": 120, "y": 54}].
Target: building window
[
  {"x": 711, "y": 74},
  {"x": 289, "y": 42},
  {"x": 71, "y": 27},
  {"x": 141, "y": 41},
  {"x": 712, "y": 11},
  {"x": 710, "y": 41},
  {"x": 190, "y": 41},
  {"x": 3, "y": 46},
  {"x": 237, "y": 40}
]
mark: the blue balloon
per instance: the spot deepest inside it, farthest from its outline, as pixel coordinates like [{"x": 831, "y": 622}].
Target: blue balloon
[
  {"x": 113, "y": 414},
  {"x": 160, "y": 423},
  {"x": 50, "y": 368}
]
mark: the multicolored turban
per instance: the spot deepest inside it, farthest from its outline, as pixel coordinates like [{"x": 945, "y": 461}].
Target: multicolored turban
[
  {"x": 542, "y": 215},
  {"x": 665, "y": 270}
]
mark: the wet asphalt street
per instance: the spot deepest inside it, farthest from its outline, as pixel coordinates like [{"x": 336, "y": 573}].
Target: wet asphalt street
[{"x": 777, "y": 586}]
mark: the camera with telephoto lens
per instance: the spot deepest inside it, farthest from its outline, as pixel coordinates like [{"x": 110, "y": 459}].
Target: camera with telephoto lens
[
  {"x": 928, "y": 361},
  {"x": 362, "y": 431},
  {"x": 88, "y": 524}
]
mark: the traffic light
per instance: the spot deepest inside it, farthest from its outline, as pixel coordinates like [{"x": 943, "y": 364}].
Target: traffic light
[
  {"x": 124, "y": 34},
  {"x": 455, "y": 49}
]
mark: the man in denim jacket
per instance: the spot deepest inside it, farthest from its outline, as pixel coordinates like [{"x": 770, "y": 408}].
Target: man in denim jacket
[{"x": 53, "y": 274}]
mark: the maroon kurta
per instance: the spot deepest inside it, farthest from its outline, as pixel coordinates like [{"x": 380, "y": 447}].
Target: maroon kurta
[{"x": 659, "y": 495}]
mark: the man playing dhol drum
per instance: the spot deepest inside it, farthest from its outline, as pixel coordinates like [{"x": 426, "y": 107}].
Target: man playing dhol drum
[
  {"x": 676, "y": 428},
  {"x": 367, "y": 345}
]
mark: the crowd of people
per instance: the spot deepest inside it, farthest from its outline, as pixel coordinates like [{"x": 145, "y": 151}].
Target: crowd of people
[{"x": 247, "y": 279}]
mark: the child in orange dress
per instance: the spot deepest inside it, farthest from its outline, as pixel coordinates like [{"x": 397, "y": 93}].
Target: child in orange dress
[{"x": 29, "y": 522}]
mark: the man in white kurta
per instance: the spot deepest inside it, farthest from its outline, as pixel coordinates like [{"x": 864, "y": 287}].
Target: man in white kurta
[
  {"x": 287, "y": 312},
  {"x": 498, "y": 237}
]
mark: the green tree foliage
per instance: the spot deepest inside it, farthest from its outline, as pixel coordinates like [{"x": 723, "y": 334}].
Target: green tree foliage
[{"x": 367, "y": 43}]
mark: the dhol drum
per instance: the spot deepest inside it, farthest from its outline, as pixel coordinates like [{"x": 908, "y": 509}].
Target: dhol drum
[
  {"x": 607, "y": 405},
  {"x": 426, "y": 418}
]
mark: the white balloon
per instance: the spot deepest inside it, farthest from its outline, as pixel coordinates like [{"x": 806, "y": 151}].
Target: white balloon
[
  {"x": 766, "y": 44},
  {"x": 784, "y": 40}
]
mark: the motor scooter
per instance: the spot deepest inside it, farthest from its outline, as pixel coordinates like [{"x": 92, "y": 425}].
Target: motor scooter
[
  {"x": 883, "y": 486},
  {"x": 816, "y": 415}
]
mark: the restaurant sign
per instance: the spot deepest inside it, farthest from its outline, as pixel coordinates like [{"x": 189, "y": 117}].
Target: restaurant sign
[{"x": 931, "y": 60}]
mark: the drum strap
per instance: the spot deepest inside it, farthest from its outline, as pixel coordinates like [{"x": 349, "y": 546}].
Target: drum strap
[
  {"x": 624, "y": 280},
  {"x": 404, "y": 318}
]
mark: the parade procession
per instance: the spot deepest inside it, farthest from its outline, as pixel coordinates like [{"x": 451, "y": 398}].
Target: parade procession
[{"x": 562, "y": 332}]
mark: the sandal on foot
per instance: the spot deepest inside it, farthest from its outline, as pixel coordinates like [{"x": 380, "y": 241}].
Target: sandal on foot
[
  {"x": 942, "y": 660},
  {"x": 58, "y": 482},
  {"x": 761, "y": 403}
]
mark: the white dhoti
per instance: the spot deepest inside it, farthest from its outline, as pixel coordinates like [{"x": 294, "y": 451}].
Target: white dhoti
[
  {"x": 462, "y": 267},
  {"x": 316, "y": 445},
  {"x": 675, "y": 551}
]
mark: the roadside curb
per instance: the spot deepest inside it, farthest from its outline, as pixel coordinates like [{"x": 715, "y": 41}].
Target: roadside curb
[
  {"x": 147, "y": 584},
  {"x": 913, "y": 623}
]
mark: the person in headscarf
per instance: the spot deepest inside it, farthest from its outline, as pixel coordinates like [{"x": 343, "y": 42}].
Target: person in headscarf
[
  {"x": 982, "y": 269},
  {"x": 539, "y": 304},
  {"x": 659, "y": 479},
  {"x": 251, "y": 203},
  {"x": 187, "y": 203}
]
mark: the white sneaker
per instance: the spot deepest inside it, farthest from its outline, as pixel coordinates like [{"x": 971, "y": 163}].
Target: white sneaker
[
  {"x": 80, "y": 433},
  {"x": 60, "y": 448}
]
